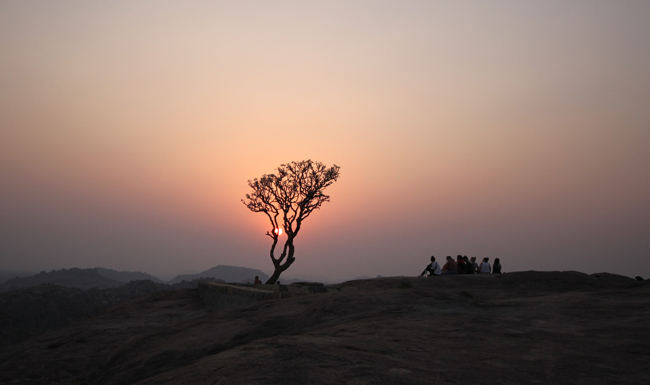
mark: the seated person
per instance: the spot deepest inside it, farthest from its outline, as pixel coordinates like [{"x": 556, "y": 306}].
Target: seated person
[
  {"x": 461, "y": 265},
  {"x": 469, "y": 266},
  {"x": 474, "y": 264},
  {"x": 257, "y": 280},
  {"x": 450, "y": 267},
  {"x": 496, "y": 268},
  {"x": 485, "y": 266},
  {"x": 433, "y": 268}
]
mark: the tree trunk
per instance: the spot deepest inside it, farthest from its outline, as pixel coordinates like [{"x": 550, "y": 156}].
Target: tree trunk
[
  {"x": 274, "y": 277},
  {"x": 277, "y": 263},
  {"x": 279, "y": 270}
]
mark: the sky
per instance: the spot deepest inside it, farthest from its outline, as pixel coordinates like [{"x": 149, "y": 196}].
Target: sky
[{"x": 517, "y": 130}]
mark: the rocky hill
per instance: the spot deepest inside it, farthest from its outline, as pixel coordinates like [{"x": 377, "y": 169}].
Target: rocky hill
[
  {"x": 98, "y": 278},
  {"x": 7, "y": 275},
  {"x": 126, "y": 276},
  {"x": 517, "y": 328},
  {"x": 225, "y": 273},
  {"x": 102, "y": 278},
  {"x": 77, "y": 278}
]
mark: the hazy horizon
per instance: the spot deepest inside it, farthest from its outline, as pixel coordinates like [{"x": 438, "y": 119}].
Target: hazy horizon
[
  {"x": 519, "y": 131},
  {"x": 169, "y": 277}
]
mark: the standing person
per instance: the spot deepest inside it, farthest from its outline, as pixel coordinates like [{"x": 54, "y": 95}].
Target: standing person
[
  {"x": 433, "y": 268},
  {"x": 485, "y": 266},
  {"x": 496, "y": 269},
  {"x": 450, "y": 267}
]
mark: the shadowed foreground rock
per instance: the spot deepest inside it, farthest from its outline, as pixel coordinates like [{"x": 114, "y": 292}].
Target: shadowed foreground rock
[
  {"x": 528, "y": 327},
  {"x": 32, "y": 311}
]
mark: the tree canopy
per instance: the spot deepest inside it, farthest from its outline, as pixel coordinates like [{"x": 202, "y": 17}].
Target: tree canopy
[{"x": 287, "y": 198}]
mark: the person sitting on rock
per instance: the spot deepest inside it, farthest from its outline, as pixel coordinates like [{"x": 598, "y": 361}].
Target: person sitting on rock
[
  {"x": 496, "y": 269},
  {"x": 433, "y": 268},
  {"x": 485, "y": 266},
  {"x": 257, "y": 280},
  {"x": 469, "y": 266},
  {"x": 450, "y": 267},
  {"x": 461, "y": 265},
  {"x": 474, "y": 265}
]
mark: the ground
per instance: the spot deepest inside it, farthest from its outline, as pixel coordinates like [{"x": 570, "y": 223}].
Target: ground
[{"x": 527, "y": 327}]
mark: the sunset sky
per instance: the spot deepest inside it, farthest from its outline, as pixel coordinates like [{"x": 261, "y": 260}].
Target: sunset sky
[{"x": 510, "y": 129}]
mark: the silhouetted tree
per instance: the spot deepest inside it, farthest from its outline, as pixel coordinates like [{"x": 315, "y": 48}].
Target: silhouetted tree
[{"x": 288, "y": 198}]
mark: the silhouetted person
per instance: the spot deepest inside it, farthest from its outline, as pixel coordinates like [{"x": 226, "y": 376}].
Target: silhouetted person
[
  {"x": 469, "y": 266},
  {"x": 474, "y": 264},
  {"x": 485, "y": 266},
  {"x": 257, "y": 280},
  {"x": 433, "y": 268},
  {"x": 450, "y": 267},
  {"x": 496, "y": 268},
  {"x": 460, "y": 264}
]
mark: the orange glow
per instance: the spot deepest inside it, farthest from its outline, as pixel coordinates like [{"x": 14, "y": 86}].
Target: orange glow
[{"x": 472, "y": 129}]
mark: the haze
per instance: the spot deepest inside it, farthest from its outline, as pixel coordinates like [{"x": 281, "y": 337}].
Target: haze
[{"x": 517, "y": 130}]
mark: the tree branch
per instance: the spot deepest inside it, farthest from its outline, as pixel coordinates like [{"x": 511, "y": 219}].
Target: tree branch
[{"x": 294, "y": 192}]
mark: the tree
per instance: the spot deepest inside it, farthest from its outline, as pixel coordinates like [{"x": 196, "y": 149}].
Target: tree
[{"x": 288, "y": 198}]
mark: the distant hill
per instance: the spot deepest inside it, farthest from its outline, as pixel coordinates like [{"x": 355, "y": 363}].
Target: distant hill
[
  {"x": 98, "y": 277},
  {"x": 7, "y": 275},
  {"x": 125, "y": 276},
  {"x": 77, "y": 278},
  {"x": 225, "y": 273}
]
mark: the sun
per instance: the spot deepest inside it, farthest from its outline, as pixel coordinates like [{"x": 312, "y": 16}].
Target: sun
[{"x": 278, "y": 231}]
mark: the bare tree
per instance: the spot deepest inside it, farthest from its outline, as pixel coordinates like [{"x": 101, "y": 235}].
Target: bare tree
[{"x": 288, "y": 198}]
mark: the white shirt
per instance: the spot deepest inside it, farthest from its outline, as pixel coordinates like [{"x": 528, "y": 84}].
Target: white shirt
[
  {"x": 436, "y": 268},
  {"x": 485, "y": 267}
]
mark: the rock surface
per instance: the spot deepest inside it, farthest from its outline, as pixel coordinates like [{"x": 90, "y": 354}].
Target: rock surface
[
  {"x": 31, "y": 311},
  {"x": 517, "y": 328}
]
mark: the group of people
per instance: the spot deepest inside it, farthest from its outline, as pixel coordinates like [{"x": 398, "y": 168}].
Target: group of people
[{"x": 462, "y": 265}]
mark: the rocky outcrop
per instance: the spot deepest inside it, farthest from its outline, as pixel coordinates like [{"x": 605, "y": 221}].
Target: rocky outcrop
[
  {"x": 221, "y": 296},
  {"x": 519, "y": 328},
  {"x": 32, "y": 311},
  {"x": 29, "y": 312}
]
